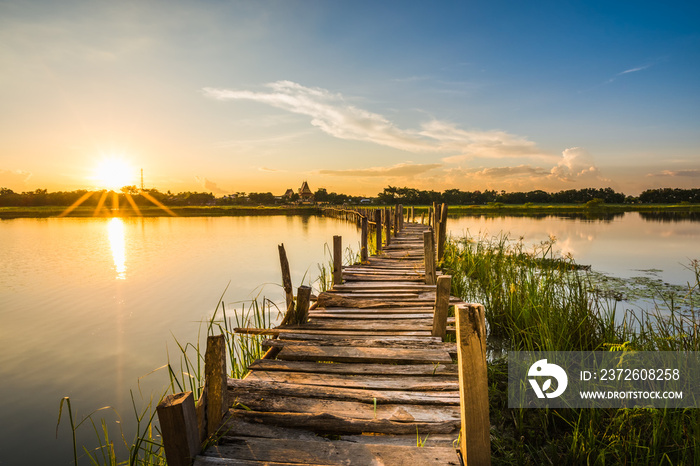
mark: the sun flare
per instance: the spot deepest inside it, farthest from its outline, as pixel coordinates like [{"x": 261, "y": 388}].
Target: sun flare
[{"x": 114, "y": 173}]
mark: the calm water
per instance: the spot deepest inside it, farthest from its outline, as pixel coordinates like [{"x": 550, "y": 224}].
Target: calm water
[{"x": 87, "y": 306}]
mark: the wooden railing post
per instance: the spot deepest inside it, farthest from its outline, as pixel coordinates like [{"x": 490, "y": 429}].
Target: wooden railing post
[
  {"x": 387, "y": 225},
  {"x": 429, "y": 251},
  {"x": 442, "y": 232},
  {"x": 178, "y": 428},
  {"x": 337, "y": 260},
  {"x": 442, "y": 304},
  {"x": 303, "y": 300},
  {"x": 215, "y": 379},
  {"x": 286, "y": 277},
  {"x": 378, "y": 229},
  {"x": 397, "y": 220},
  {"x": 364, "y": 255},
  {"x": 475, "y": 440}
]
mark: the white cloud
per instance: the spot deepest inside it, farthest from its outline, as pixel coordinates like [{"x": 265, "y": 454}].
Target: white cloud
[
  {"x": 575, "y": 163},
  {"x": 334, "y": 116},
  {"x": 399, "y": 170}
]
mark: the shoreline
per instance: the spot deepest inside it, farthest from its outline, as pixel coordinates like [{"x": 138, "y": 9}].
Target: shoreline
[{"x": 227, "y": 211}]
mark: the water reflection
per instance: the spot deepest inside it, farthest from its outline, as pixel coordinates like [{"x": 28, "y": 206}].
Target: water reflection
[{"x": 117, "y": 243}]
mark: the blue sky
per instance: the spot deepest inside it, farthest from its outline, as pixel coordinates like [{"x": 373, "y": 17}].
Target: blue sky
[{"x": 352, "y": 96}]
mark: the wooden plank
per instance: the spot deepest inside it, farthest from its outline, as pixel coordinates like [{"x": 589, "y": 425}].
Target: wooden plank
[
  {"x": 361, "y": 316},
  {"x": 330, "y": 453},
  {"x": 363, "y": 355},
  {"x": 356, "y": 332},
  {"x": 372, "y": 324},
  {"x": 376, "y": 311},
  {"x": 365, "y": 343},
  {"x": 378, "y": 382},
  {"x": 341, "y": 368},
  {"x": 445, "y": 416},
  {"x": 345, "y": 394},
  {"x": 369, "y": 339}
]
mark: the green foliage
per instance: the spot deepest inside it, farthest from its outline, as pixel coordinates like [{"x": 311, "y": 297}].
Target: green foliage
[{"x": 537, "y": 300}]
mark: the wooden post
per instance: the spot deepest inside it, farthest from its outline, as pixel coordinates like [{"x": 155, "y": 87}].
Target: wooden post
[
  {"x": 475, "y": 440},
  {"x": 178, "y": 428},
  {"x": 413, "y": 215},
  {"x": 378, "y": 229},
  {"x": 215, "y": 379},
  {"x": 337, "y": 260},
  {"x": 442, "y": 232},
  {"x": 286, "y": 277},
  {"x": 397, "y": 220},
  {"x": 429, "y": 250},
  {"x": 442, "y": 303},
  {"x": 364, "y": 255},
  {"x": 387, "y": 224},
  {"x": 303, "y": 300}
]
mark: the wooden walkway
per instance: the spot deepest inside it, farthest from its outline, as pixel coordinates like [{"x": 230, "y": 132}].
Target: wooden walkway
[
  {"x": 391, "y": 385},
  {"x": 363, "y": 382}
]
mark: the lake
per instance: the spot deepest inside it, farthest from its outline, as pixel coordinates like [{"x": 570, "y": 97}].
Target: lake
[{"x": 88, "y": 306}]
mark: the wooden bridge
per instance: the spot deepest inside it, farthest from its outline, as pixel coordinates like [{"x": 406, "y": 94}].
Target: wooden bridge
[{"x": 363, "y": 376}]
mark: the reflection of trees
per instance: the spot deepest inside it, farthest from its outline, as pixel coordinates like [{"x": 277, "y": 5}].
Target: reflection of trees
[
  {"x": 585, "y": 216},
  {"x": 668, "y": 217}
]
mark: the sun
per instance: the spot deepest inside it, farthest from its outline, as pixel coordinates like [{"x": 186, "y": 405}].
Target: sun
[{"x": 113, "y": 173}]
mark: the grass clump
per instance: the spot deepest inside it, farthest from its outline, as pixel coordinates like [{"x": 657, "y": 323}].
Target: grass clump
[{"x": 536, "y": 300}]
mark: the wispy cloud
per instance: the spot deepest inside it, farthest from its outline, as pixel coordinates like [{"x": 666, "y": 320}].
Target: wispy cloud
[
  {"x": 690, "y": 173},
  {"x": 400, "y": 170},
  {"x": 634, "y": 70},
  {"x": 333, "y": 115}
]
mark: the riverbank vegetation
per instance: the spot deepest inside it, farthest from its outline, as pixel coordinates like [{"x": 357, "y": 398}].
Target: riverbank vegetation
[
  {"x": 536, "y": 300},
  {"x": 587, "y": 197}
]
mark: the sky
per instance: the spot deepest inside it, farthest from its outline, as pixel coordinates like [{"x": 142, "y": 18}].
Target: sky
[{"x": 351, "y": 96}]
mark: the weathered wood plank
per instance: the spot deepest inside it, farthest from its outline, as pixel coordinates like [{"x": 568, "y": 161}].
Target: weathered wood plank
[
  {"x": 355, "y": 332},
  {"x": 355, "y": 410},
  {"x": 368, "y": 339},
  {"x": 331, "y": 453},
  {"x": 365, "y": 343},
  {"x": 363, "y": 355},
  {"x": 339, "y": 393},
  {"x": 341, "y": 368},
  {"x": 437, "y": 383}
]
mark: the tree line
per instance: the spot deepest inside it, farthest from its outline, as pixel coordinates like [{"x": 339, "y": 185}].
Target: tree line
[{"x": 390, "y": 195}]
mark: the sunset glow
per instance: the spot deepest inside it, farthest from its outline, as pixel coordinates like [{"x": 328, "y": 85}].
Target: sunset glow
[{"x": 114, "y": 173}]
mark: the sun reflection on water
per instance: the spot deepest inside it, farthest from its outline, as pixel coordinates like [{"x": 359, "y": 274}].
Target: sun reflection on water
[{"x": 117, "y": 243}]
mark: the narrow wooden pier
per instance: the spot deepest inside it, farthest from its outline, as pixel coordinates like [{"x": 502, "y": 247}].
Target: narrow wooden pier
[{"x": 361, "y": 377}]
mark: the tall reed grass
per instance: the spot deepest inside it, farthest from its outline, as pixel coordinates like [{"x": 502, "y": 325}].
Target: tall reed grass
[{"x": 537, "y": 300}]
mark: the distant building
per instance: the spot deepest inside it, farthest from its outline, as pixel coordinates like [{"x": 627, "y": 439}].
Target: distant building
[
  {"x": 288, "y": 194},
  {"x": 305, "y": 194}
]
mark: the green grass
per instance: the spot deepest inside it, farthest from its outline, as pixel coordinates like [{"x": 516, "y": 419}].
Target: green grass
[{"x": 537, "y": 300}]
